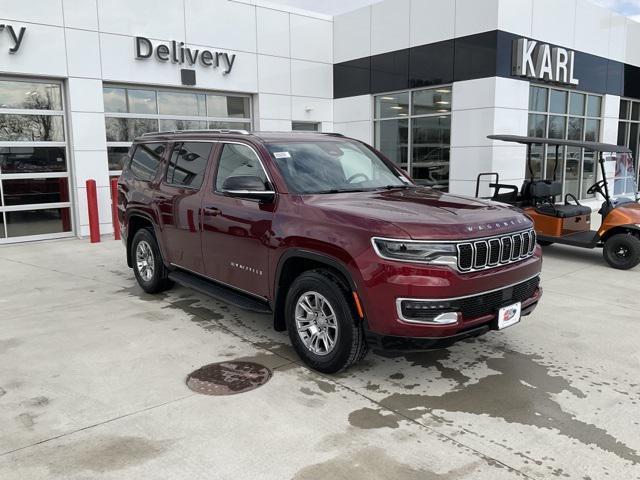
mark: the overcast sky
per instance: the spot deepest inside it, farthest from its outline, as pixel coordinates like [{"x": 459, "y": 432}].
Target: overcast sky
[{"x": 630, "y": 8}]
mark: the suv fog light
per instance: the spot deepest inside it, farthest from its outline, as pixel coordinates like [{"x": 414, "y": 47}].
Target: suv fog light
[{"x": 417, "y": 311}]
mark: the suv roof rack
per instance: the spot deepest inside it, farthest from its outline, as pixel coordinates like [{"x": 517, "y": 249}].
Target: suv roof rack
[{"x": 212, "y": 130}]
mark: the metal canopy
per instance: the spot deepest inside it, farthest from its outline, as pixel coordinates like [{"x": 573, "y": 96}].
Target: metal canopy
[{"x": 594, "y": 146}]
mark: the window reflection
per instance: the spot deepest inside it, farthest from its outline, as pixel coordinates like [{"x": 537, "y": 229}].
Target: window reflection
[
  {"x": 392, "y": 139},
  {"x": 392, "y": 105},
  {"x": 188, "y": 163},
  {"x": 35, "y": 190},
  {"x": 177, "y": 103},
  {"x": 127, "y": 129},
  {"x": 230, "y": 125},
  {"x": 169, "y": 125},
  {"x": 38, "y": 222},
  {"x": 115, "y": 100},
  {"x": 31, "y": 128},
  {"x": 142, "y": 101},
  {"x": 146, "y": 159},
  {"x": 117, "y": 156},
  {"x": 30, "y": 95},
  {"x": 32, "y": 159},
  {"x": 431, "y": 142}
]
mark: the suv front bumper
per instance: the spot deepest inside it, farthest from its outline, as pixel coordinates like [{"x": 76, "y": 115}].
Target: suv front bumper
[{"x": 475, "y": 328}]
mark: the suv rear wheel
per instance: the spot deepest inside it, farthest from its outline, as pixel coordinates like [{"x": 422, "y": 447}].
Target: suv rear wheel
[
  {"x": 622, "y": 251},
  {"x": 148, "y": 266},
  {"x": 322, "y": 326}
]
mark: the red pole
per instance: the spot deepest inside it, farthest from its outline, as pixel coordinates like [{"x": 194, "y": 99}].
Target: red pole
[
  {"x": 92, "y": 203},
  {"x": 114, "y": 208}
]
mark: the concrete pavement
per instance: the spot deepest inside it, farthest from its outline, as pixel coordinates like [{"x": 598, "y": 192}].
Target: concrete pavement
[{"x": 92, "y": 375}]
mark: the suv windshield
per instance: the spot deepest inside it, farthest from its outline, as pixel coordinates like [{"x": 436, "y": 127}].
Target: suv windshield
[{"x": 331, "y": 166}]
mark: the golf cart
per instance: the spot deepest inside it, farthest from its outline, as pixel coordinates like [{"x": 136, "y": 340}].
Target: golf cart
[{"x": 570, "y": 223}]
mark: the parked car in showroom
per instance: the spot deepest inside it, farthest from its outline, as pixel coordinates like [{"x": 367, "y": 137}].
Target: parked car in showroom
[{"x": 328, "y": 236}]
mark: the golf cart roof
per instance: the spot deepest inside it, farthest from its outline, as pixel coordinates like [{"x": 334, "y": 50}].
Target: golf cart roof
[{"x": 594, "y": 146}]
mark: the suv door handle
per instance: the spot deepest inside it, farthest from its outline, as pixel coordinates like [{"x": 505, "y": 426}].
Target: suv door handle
[{"x": 211, "y": 211}]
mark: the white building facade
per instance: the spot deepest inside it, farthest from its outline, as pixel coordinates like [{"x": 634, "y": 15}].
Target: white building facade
[{"x": 425, "y": 81}]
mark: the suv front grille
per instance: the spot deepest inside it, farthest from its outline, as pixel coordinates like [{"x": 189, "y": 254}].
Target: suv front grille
[
  {"x": 499, "y": 250},
  {"x": 470, "y": 307}
]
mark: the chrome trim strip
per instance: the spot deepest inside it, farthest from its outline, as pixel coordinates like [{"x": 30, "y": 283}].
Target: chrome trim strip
[
  {"x": 449, "y": 299},
  {"x": 498, "y": 235}
]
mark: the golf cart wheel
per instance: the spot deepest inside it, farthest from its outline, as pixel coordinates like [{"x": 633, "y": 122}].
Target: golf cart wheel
[
  {"x": 544, "y": 243},
  {"x": 322, "y": 326},
  {"x": 622, "y": 251}
]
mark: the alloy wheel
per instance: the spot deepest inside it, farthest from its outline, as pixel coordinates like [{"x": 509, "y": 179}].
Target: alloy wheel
[
  {"x": 145, "y": 261},
  {"x": 316, "y": 323}
]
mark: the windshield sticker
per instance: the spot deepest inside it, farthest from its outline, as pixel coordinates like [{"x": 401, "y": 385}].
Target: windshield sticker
[{"x": 282, "y": 154}]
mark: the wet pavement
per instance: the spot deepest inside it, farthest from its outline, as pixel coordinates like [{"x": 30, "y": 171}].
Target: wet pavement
[{"x": 92, "y": 384}]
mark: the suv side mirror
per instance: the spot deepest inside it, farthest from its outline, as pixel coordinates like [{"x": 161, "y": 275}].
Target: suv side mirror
[{"x": 247, "y": 186}]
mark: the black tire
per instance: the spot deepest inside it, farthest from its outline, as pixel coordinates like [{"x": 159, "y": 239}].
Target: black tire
[
  {"x": 622, "y": 251},
  {"x": 544, "y": 243},
  {"x": 349, "y": 342},
  {"x": 157, "y": 281}
]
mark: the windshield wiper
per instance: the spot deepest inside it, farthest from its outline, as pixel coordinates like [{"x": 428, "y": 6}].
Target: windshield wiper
[
  {"x": 391, "y": 187},
  {"x": 340, "y": 190}
]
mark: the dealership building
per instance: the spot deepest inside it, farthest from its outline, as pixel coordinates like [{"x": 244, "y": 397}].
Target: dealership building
[{"x": 425, "y": 81}]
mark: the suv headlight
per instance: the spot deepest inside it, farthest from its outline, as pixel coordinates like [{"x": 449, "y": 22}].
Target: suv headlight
[{"x": 419, "y": 252}]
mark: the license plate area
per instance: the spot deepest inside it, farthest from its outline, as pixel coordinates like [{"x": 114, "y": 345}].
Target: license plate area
[{"x": 509, "y": 315}]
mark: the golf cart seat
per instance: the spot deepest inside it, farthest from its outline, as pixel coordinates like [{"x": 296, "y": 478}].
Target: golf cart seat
[{"x": 563, "y": 211}]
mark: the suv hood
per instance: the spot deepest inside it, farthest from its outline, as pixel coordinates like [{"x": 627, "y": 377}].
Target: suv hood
[{"x": 427, "y": 214}]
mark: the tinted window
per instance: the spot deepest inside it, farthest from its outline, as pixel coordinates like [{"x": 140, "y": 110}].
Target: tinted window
[
  {"x": 145, "y": 160},
  {"x": 188, "y": 164},
  {"x": 238, "y": 160}
]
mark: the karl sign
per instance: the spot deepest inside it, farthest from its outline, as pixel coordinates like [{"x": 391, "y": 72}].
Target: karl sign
[
  {"x": 176, "y": 52},
  {"x": 544, "y": 62}
]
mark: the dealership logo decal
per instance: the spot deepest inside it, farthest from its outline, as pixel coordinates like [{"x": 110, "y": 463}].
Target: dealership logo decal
[
  {"x": 176, "y": 52},
  {"x": 16, "y": 38},
  {"x": 544, "y": 62}
]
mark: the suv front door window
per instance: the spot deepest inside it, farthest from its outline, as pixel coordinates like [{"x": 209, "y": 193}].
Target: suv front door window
[{"x": 237, "y": 228}]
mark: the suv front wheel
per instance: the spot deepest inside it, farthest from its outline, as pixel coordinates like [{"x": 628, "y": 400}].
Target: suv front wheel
[
  {"x": 148, "y": 266},
  {"x": 322, "y": 326}
]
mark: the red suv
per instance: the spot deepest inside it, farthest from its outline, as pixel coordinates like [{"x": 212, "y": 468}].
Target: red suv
[{"x": 331, "y": 238}]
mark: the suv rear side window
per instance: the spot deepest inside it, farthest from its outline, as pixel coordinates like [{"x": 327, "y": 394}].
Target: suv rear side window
[
  {"x": 145, "y": 160},
  {"x": 238, "y": 160},
  {"x": 188, "y": 163}
]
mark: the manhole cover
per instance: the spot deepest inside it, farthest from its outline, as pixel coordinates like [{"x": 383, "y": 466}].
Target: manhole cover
[{"x": 228, "y": 378}]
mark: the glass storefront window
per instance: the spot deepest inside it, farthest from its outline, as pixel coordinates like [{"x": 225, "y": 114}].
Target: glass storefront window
[
  {"x": 392, "y": 139},
  {"x": 31, "y": 128},
  {"x": 628, "y": 130},
  {"x": 33, "y": 159},
  {"x": 115, "y": 100},
  {"x": 34, "y": 177},
  {"x": 186, "y": 104},
  {"x": 413, "y": 129},
  {"x": 35, "y": 190},
  {"x": 127, "y": 129},
  {"x": 42, "y": 221},
  {"x": 538, "y": 99},
  {"x": 141, "y": 101},
  {"x": 166, "y": 110},
  {"x": 558, "y": 102},
  {"x": 117, "y": 157},
  {"x": 576, "y": 103},
  {"x": 30, "y": 95},
  {"x": 570, "y": 115},
  {"x": 431, "y": 101},
  {"x": 392, "y": 105}
]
